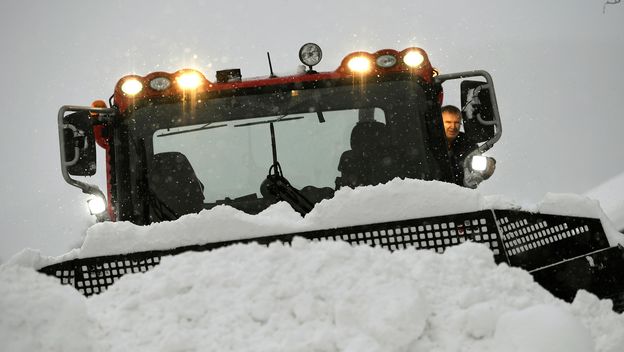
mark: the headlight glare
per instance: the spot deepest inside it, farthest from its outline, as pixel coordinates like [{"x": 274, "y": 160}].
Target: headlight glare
[
  {"x": 189, "y": 80},
  {"x": 96, "y": 205},
  {"x": 413, "y": 59},
  {"x": 131, "y": 86},
  {"x": 359, "y": 64},
  {"x": 479, "y": 163}
]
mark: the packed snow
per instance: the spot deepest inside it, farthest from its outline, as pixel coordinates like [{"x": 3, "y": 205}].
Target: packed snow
[
  {"x": 308, "y": 296},
  {"x": 396, "y": 200},
  {"x": 611, "y": 197}
]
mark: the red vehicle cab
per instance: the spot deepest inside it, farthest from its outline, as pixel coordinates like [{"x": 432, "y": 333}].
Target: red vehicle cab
[{"x": 177, "y": 143}]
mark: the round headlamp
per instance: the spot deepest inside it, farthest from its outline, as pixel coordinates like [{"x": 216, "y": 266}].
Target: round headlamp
[
  {"x": 413, "y": 58},
  {"x": 479, "y": 163},
  {"x": 189, "y": 80},
  {"x": 160, "y": 83},
  {"x": 359, "y": 64},
  {"x": 310, "y": 54},
  {"x": 131, "y": 86},
  {"x": 386, "y": 61},
  {"x": 96, "y": 205}
]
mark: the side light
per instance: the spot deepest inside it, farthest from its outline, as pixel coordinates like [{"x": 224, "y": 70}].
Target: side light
[
  {"x": 131, "y": 86},
  {"x": 160, "y": 83},
  {"x": 96, "y": 205},
  {"x": 479, "y": 163},
  {"x": 189, "y": 80},
  {"x": 359, "y": 64},
  {"x": 386, "y": 61},
  {"x": 413, "y": 59}
]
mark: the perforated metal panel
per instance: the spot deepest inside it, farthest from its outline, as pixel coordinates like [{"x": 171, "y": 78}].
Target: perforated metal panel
[
  {"x": 534, "y": 240},
  {"x": 94, "y": 275},
  {"x": 552, "y": 247},
  {"x": 435, "y": 233}
]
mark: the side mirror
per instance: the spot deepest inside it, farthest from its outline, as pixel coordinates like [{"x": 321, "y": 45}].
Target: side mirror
[
  {"x": 78, "y": 144},
  {"x": 477, "y": 111}
]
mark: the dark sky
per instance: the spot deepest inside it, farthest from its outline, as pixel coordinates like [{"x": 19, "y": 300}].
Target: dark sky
[{"x": 557, "y": 68}]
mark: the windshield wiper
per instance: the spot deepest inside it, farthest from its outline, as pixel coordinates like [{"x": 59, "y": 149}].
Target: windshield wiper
[
  {"x": 204, "y": 127},
  {"x": 281, "y": 118},
  {"x": 278, "y": 186}
]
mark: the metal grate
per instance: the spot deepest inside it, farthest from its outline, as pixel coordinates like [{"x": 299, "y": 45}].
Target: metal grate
[
  {"x": 94, "y": 275},
  {"x": 553, "y": 248},
  {"x": 435, "y": 233},
  {"x": 534, "y": 240}
]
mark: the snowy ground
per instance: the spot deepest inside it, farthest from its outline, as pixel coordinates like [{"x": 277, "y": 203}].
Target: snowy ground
[{"x": 309, "y": 296}]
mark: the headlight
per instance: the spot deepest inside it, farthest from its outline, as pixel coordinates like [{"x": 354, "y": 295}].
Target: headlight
[
  {"x": 131, "y": 86},
  {"x": 96, "y": 205},
  {"x": 160, "y": 83},
  {"x": 359, "y": 64},
  {"x": 413, "y": 58},
  {"x": 310, "y": 54},
  {"x": 189, "y": 80},
  {"x": 479, "y": 163},
  {"x": 386, "y": 61}
]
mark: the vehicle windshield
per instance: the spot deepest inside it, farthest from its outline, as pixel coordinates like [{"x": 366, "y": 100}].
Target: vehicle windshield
[
  {"x": 324, "y": 138},
  {"x": 233, "y": 159}
]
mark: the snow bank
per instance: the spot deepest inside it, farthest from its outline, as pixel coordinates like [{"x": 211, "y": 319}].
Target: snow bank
[
  {"x": 325, "y": 296},
  {"x": 542, "y": 328},
  {"x": 396, "y": 200},
  {"x": 38, "y": 314},
  {"x": 577, "y": 205},
  {"x": 611, "y": 197}
]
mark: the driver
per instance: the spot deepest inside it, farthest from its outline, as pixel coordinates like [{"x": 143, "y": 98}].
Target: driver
[{"x": 458, "y": 147}]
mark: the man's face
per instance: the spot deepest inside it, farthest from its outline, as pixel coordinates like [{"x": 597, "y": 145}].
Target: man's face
[{"x": 451, "y": 125}]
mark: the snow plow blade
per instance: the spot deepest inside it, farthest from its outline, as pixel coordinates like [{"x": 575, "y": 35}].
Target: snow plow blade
[{"x": 563, "y": 253}]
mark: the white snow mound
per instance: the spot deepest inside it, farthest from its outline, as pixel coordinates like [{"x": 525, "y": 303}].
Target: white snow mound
[
  {"x": 311, "y": 296},
  {"x": 38, "y": 314},
  {"x": 396, "y": 200}
]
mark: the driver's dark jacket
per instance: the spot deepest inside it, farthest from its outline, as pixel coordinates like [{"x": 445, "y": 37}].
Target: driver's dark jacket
[{"x": 460, "y": 148}]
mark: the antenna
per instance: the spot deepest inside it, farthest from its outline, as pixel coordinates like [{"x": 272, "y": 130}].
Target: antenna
[{"x": 270, "y": 66}]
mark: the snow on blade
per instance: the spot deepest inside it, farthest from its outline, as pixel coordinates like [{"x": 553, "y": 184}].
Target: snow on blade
[
  {"x": 576, "y": 205},
  {"x": 395, "y": 200},
  {"x": 611, "y": 197},
  {"x": 309, "y": 296}
]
